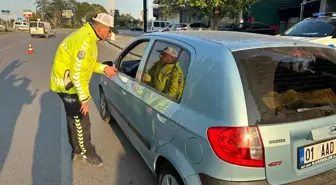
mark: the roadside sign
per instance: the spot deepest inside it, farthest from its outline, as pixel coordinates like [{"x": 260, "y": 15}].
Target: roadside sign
[
  {"x": 5, "y": 11},
  {"x": 67, "y": 14},
  {"x": 27, "y": 13}
]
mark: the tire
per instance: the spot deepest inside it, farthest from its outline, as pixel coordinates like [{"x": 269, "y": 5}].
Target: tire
[
  {"x": 168, "y": 173},
  {"x": 103, "y": 108}
]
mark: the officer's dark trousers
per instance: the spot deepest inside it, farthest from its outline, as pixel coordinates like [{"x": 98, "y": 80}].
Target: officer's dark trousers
[{"x": 78, "y": 125}]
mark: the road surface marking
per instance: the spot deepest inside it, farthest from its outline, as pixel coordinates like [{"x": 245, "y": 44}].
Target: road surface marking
[{"x": 3, "y": 49}]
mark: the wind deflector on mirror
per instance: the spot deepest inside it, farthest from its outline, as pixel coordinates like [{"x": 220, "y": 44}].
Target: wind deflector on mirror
[{"x": 288, "y": 84}]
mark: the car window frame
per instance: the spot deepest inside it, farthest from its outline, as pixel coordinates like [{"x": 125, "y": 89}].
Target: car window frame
[
  {"x": 168, "y": 41},
  {"x": 127, "y": 50}
]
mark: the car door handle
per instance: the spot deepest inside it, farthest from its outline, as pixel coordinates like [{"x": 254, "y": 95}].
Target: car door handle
[
  {"x": 123, "y": 92},
  {"x": 160, "y": 118}
]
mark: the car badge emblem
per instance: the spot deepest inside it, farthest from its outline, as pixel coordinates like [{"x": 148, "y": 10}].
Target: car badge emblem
[{"x": 332, "y": 130}]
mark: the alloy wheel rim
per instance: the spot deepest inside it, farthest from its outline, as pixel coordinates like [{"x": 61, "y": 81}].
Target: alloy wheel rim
[
  {"x": 169, "y": 180},
  {"x": 103, "y": 105}
]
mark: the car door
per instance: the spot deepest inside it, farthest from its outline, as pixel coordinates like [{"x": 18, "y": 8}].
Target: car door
[
  {"x": 117, "y": 88},
  {"x": 153, "y": 112}
]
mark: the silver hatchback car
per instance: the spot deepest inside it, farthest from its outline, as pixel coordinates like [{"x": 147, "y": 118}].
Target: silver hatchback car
[{"x": 226, "y": 108}]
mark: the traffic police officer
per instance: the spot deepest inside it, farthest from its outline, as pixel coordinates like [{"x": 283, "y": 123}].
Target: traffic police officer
[{"x": 74, "y": 63}]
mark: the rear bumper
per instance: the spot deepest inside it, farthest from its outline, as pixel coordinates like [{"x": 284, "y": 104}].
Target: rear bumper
[
  {"x": 322, "y": 178},
  {"x": 207, "y": 180}
]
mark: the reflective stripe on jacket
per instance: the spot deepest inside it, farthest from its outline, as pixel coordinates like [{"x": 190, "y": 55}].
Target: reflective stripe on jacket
[{"x": 74, "y": 63}]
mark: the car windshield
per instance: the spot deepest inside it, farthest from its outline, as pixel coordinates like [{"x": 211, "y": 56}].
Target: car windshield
[{"x": 312, "y": 28}]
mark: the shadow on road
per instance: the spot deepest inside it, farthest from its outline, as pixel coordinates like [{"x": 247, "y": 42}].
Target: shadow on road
[
  {"x": 13, "y": 96},
  {"x": 52, "y": 163},
  {"x": 132, "y": 169}
]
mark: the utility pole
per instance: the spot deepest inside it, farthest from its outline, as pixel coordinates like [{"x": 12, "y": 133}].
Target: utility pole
[
  {"x": 304, "y": 2},
  {"x": 145, "y": 15}
]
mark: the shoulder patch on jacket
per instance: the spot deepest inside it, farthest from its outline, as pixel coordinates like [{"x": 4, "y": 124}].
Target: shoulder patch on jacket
[{"x": 81, "y": 55}]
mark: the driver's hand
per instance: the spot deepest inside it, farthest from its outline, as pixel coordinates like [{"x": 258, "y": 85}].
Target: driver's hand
[
  {"x": 147, "y": 78},
  {"x": 110, "y": 71}
]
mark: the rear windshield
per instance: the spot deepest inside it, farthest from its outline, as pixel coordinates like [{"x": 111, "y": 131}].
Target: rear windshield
[
  {"x": 288, "y": 84},
  {"x": 33, "y": 24}
]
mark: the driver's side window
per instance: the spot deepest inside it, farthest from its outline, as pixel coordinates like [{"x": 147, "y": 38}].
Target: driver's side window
[{"x": 130, "y": 60}]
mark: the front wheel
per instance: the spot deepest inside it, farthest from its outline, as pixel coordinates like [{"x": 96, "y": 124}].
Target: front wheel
[
  {"x": 103, "y": 108},
  {"x": 169, "y": 176}
]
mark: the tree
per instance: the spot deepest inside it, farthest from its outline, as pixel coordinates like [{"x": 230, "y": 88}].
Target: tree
[
  {"x": 215, "y": 10},
  {"x": 51, "y": 10},
  {"x": 116, "y": 17}
]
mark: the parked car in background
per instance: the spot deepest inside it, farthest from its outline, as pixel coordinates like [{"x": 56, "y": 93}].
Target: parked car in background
[
  {"x": 2, "y": 28},
  {"x": 42, "y": 29},
  {"x": 321, "y": 28},
  {"x": 18, "y": 24},
  {"x": 136, "y": 29},
  {"x": 214, "y": 118},
  {"x": 189, "y": 26},
  {"x": 154, "y": 26},
  {"x": 167, "y": 28},
  {"x": 254, "y": 27},
  {"x": 226, "y": 27}
]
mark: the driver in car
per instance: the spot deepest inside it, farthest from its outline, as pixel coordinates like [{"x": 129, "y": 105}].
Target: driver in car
[{"x": 166, "y": 75}]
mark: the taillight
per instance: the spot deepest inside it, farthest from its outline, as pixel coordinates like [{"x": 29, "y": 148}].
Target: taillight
[{"x": 238, "y": 145}]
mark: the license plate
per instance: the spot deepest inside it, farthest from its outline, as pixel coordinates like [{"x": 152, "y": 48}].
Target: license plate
[{"x": 315, "y": 154}]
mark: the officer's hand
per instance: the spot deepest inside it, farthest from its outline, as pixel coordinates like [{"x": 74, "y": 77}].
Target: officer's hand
[
  {"x": 110, "y": 71},
  {"x": 85, "y": 108}
]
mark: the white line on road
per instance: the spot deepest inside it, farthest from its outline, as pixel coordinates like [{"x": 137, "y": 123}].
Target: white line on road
[{"x": 3, "y": 49}]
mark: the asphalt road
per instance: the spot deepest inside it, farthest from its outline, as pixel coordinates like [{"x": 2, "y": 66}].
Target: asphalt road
[{"x": 34, "y": 147}]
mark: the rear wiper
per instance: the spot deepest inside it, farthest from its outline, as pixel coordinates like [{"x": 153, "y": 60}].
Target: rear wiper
[{"x": 326, "y": 107}]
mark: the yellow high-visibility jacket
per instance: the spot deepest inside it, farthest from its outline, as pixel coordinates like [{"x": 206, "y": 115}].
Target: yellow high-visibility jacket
[{"x": 74, "y": 63}]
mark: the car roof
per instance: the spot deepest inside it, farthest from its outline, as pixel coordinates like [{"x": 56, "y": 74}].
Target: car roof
[{"x": 234, "y": 40}]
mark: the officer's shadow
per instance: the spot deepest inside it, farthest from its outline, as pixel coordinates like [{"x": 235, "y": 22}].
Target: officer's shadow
[
  {"x": 52, "y": 160},
  {"x": 14, "y": 94}
]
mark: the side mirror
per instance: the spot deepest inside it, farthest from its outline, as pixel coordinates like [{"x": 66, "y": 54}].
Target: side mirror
[{"x": 109, "y": 63}]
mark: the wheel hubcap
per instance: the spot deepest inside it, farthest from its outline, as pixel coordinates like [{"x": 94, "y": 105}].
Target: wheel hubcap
[
  {"x": 103, "y": 104},
  {"x": 169, "y": 180}
]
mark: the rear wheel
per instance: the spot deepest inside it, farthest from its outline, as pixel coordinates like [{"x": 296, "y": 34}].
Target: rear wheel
[
  {"x": 103, "y": 108},
  {"x": 169, "y": 176}
]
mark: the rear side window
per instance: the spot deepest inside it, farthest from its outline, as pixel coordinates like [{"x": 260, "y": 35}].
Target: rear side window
[
  {"x": 41, "y": 25},
  {"x": 156, "y": 24},
  {"x": 288, "y": 84},
  {"x": 33, "y": 24},
  {"x": 166, "y": 70}
]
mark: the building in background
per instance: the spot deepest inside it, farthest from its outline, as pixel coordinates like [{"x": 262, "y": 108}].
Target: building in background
[
  {"x": 283, "y": 14},
  {"x": 279, "y": 14}
]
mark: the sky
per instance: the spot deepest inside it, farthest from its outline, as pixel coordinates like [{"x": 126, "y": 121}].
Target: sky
[{"x": 125, "y": 6}]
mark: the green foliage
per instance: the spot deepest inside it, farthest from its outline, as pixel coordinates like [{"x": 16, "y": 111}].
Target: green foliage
[
  {"x": 51, "y": 10},
  {"x": 213, "y": 9},
  {"x": 125, "y": 20}
]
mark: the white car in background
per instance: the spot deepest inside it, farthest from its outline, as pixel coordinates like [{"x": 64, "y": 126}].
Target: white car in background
[{"x": 321, "y": 28}]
